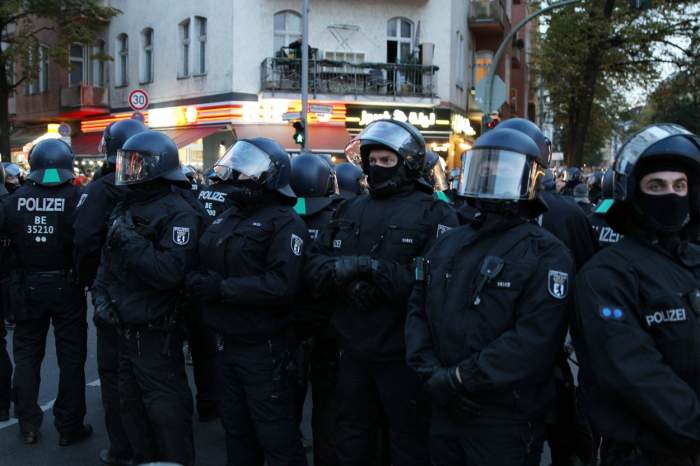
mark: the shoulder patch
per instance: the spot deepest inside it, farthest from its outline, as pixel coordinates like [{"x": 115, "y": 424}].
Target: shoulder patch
[
  {"x": 442, "y": 229},
  {"x": 558, "y": 284},
  {"x": 297, "y": 245},
  {"x": 181, "y": 235},
  {"x": 82, "y": 199}
]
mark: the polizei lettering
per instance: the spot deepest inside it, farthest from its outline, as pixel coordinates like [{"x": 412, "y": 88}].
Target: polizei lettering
[
  {"x": 669, "y": 315},
  {"x": 212, "y": 196},
  {"x": 41, "y": 204}
]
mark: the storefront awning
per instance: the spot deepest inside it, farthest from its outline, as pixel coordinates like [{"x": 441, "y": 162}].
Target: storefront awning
[
  {"x": 186, "y": 136},
  {"x": 85, "y": 145},
  {"x": 332, "y": 139},
  {"x": 22, "y": 136}
]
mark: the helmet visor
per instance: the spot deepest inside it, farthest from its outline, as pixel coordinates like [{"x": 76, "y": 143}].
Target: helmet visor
[
  {"x": 640, "y": 142},
  {"x": 135, "y": 167},
  {"x": 439, "y": 178},
  {"x": 497, "y": 174},
  {"x": 245, "y": 158},
  {"x": 386, "y": 133}
]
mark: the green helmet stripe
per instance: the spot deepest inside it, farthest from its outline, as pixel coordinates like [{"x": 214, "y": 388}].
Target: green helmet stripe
[{"x": 51, "y": 176}]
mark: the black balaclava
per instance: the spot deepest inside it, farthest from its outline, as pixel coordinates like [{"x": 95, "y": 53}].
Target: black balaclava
[
  {"x": 245, "y": 193},
  {"x": 385, "y": 181},
  {"x": 666, "y": 213}
]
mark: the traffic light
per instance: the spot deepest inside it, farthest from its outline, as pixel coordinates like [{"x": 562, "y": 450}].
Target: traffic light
[
  {"x": 490, "y": 121},
  {"x": 298, "y": 133}
]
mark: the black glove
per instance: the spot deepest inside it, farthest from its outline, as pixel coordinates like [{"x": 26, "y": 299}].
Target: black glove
[
  {"x": 364, "y": 295},
  {"x": 204, "y": 287},
  {"x": 350, "y": 267},
  {"x": 443, "y": 386},
  {"x": 122, "y": 232},
  {"x": 105, "y": 311}
]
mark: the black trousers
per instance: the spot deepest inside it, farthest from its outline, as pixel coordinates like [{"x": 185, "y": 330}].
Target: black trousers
[
  {"x": 258, "y": 404},
  {"x": 156, "y": 402},
  {"x": 108, "y": 368},
  {"x": 5, "y": 368},
  {"x": 484, "y": 441},
  {"x": 55, "y": 301},
  {"x": 402, "y": 400},
  {"x": 612, "y": 453},
  {"x": 203, "y": 346}
]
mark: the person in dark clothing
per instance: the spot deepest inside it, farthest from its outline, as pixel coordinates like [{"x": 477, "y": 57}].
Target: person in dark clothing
[
  {"x": 595, "y": 187},
  {"x": 581, "y": 198},
  {"x": 150, "y": 245},
  {"x": 13, "y": 176},
  {"x": 488, "y": 317},
  {"x": 602, "y": 231},
  {"x": 313, "y": 181},
  {"x": 250, "y": 265},
  {"x": 363, "y": 261},
  {"x": 91, "y": 223},
  {"x": 636, "y": 326},
  {"x": 571, "y": 177},
  {"x": 38, "y": 219},
  {"x": 350, "y": 178},
  {"x": 7, "y": 259}
]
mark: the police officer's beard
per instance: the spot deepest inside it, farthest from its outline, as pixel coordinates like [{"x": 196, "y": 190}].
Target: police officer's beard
[
  {"x": 385, "y": 181},
  {"x": 245, "y": 193}
]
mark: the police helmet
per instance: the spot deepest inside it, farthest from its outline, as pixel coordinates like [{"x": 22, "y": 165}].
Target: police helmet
[
  {"x": 595, "y": 186},
  {"x": 190, "y": 172},
  {"x": 532, "y": 130},
  {"x": 581, "y": 192},
  {"x": 549, "y": 181},
  {"x": 312, "y": 176},
  {"x": 148, "y": 156},
  {"x": 349, "y": 178},
  {"x": 260, "y": 159},
  {"x": 51, "y": 163},
  {"x": 503, "y": 165},
  {"x": 572, "y": 176},
  {"x": 607, "y": 184},
  {"x": 434, "y": 172},
  {"x": 116, "y": 134},
  {"x": 399, "y": 137}
]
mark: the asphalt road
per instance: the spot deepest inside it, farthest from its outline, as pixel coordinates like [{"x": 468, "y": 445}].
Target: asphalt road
[{"x": 209, "y": 437}]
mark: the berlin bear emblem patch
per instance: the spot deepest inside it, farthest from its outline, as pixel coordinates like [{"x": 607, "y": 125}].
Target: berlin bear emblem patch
[
  {"x": 181, "y": 235},
  {"x": 297, "y": 245},
  {"x": 558, "y": 284}
]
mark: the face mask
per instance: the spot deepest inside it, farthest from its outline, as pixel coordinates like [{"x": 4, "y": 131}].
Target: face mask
[
  {"x": 245, "y": 192},
  {"x": 383, "y": 180},
  {"x": 668, "y": 212}
]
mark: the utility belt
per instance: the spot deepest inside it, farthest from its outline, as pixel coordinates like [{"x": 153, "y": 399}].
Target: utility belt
[{"x": 165, "y": 325}]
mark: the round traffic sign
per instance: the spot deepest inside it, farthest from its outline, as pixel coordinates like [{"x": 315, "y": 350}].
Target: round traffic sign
[
  {"x": 138, "y": 99},
  {"x": 64, "y": 130}
]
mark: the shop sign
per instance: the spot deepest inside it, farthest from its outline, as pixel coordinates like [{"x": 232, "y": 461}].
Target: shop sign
[
  {"x": 425, "y": 119},
  {"x": 461, "y": 125}
]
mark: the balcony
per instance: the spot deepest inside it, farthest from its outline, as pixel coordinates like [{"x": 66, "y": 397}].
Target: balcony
[
  {"x": 488, "y": 16},
  {"x": 84, "y": 100},
  {"x": 344, "y": 78}
]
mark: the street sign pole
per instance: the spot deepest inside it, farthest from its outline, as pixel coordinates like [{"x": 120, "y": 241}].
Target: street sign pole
[
  {"x": 504, "y": 45},
  {"x": 305, "y": 70}
]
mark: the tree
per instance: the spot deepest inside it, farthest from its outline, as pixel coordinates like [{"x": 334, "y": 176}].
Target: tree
[
  {"x": 21, "y": 24},
  {"x": 593, "y": 53}
]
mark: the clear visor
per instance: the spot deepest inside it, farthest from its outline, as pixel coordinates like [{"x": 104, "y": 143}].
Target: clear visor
[
  {"x": 439, "y": 178},
  {"x": 245, "y": 158},
  {"x": 497, "y": 174},
  {"x": 640, "y": 142},
  {"x": 102, "y": 146},
  {"x": 385, "y": 133},
  {"x": 135, "y": 167}
]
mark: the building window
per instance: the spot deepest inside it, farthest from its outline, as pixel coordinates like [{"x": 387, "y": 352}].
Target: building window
[
  {"x": 399, "y": 40},
  {"x": 98, "y": 64},
  {"x": 11, "y": 77},
  {"x": 201, "y": 62},
  {"x": 287, "y": 29},
  {"x": 461, "y": 66},
  {"x": 147, "y": 56},
  {"x": 482, "y": 61},
  {"x": 122, "y": 78},
  {"x": 184, "y": 48},
  {"x": 38, "y": 61},
  {"x": 77, "y": 65},
  {"x": 43, "y": 68}
]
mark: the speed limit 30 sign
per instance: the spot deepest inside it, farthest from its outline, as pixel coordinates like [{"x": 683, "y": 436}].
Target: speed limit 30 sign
[{"x": 138, "y": 99}]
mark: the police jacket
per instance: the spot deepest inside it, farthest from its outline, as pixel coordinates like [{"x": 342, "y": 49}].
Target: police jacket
[
  {"x": 144, "y": 276},
  {"x": 637, "y": 337},
  {"x": 603, "y": 232},
  {"x": 92, "y": 217},
  {"x": 505, "y": 332},
  {"x": 214, "y": 199},
  {"x": 565, "y": 220},
  {"x": 39, "y": 222},
  {"x": 393, "y": 231},
  {"x": 259, "y": 255}
]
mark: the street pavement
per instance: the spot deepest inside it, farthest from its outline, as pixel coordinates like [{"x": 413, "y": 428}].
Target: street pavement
[{"x": 209, "y": 437}]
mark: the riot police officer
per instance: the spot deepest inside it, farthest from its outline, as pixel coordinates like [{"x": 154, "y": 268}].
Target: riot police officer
[
  {"x": 571, "y": 178},
  {"x": 638, "y": 307},
  {"x": 363, "y": 261},
  {"x": 602, "y": 231},
  {"x": 595, "y": 187},
  {"x": 487, "y": 317},
  {"x": 91, "y": 224},
  {"x": 150, "y": 245},
  {"x": 6, "y": 254},
  {"x": 434, "y": 175},
  {"x": 349, "y": 178},
  {"x": 251, "y": 260},
  {"x": 13, "y": 176},
  {"x": 38, "y": 219},
  {"x": 214, "y": 195}
]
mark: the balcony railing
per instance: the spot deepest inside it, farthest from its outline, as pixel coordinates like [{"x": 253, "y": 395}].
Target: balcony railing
[
  {"x": 84, "y": 96},
  {"x": 488, "y": 13},
  {"x": 343, "y": 78}
]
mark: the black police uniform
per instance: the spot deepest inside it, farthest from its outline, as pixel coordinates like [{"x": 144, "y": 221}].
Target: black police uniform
[
  {"x": 142, "y": 275},
  {"x": 369, "y": 317},
  {"x": 7, "y": 259},
  {"x": 637, "y": 337},
  {"x": 503, "y": 335},
  {"x": 214, "y": 198},
  {"x": 259, "y": 254},
  {"x": 39, "y": 222},
  {"x": 92, "y": 218},
  {"x": 605, "y": 234}
]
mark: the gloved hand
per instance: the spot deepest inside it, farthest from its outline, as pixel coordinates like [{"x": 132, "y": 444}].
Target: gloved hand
[
  {"x": 350, "y": 267},
  {"x": 364, "y": 295},
  {"x": 204, "y": 286},
  {"x": 122, "y": 231},
  {"x": 443, "y": 386},
  {"x": 105, "y": 311}
]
